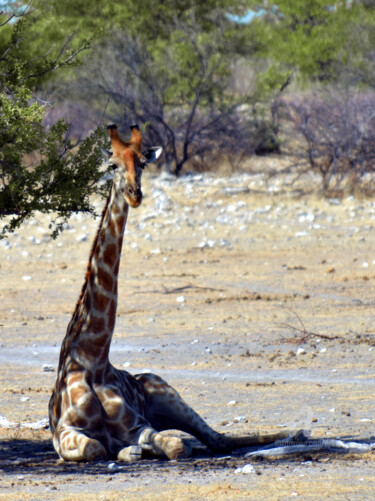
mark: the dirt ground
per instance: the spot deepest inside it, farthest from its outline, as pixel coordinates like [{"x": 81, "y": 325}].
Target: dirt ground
[{"x": 253, "y": 297}]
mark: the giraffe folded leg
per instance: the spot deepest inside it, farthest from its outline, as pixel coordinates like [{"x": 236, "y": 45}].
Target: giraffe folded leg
[
  {"x": 154, "y": 442},
  {"x": 73, "y": 445},
  {"x": 165, "y": 409}
]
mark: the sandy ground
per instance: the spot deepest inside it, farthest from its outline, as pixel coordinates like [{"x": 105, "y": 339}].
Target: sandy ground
[{"x": 252, "y": 297}]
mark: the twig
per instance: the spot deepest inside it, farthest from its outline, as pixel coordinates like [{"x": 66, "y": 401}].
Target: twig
[
  {"x": 305, "y": 333},
  {"x": 175, "y": 290}
]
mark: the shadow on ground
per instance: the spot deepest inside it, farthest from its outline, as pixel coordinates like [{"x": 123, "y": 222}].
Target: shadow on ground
[{"x": 21, "y": 456}]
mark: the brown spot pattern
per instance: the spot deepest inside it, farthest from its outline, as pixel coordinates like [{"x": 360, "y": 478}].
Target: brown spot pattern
[
  {"x": 100, "y": 302},
  {"x": 96, "y": 324},
  {"x": 105, "y": 279},
  {"x": 110, "y": 255}
]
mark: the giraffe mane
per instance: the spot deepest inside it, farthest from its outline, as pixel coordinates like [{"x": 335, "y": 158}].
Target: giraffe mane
[{"x": 88, "y": 270}]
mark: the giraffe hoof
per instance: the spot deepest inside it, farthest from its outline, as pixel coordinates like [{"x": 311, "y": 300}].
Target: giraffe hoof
[
  {"x": 131, "y": 453},
  {"x": 176, "y": 449},
  {"x": 94, "y": 450}
]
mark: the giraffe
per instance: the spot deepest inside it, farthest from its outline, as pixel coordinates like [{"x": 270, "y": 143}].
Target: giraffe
[{"x": 97, "y": 411}]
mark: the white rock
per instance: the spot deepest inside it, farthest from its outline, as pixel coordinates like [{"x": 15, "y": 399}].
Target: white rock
[
  {"x": 225, "y": 243},
  {"x": 248, "y": 468},
  {"x": 181, "y": 299},
  {"x": 26, "y": 278},
  {"x": 4, "y": 243},
  {"x": 238, "y": 419},
  {"x": 231, "y": 403},
  {"x": 300, "y": 351},
  {"x": 82, "y": 238},
  {"x": 35, "y": 240}
]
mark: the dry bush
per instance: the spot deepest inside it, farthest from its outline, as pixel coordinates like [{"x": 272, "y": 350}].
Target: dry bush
[{"x": 337, "y": 137}]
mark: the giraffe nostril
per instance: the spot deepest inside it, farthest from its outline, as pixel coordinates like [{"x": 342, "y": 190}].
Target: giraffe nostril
[{"x": 133, "y": 192}]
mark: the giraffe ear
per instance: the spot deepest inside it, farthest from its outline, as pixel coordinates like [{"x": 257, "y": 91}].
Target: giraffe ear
[{"x": 152, "y": 154}]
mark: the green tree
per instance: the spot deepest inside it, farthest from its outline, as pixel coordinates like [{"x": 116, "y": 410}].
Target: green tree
[
  {"x": 39, "y": 171},
  {"x": 317, "y": 40},
  {"x": 171, "y": 63}
]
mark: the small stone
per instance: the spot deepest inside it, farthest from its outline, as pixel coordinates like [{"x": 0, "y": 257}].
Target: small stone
[
  {"x": 48, "y": 368},
  {"x": 300, "y": 351},
  {"x": 83, "y": 237},
  {"x": 248, "y": 468},
  {"x": 231, "y": 403},
  {"x": 239, "y": 419},
  {"x": 27, "y": 278},
  {"x": 181, "y": 299}
]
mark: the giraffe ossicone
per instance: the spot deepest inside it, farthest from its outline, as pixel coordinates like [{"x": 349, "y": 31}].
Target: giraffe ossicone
[{"x": 97, "y": 411}]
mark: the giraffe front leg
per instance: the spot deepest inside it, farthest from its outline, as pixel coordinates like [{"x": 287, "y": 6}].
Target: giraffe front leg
[
  {"x": 73, "y": 445},
  {"x": 173, "y": 447}
]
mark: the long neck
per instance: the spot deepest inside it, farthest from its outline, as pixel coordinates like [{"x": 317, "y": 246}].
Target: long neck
[{"x": 89, "y": 333}]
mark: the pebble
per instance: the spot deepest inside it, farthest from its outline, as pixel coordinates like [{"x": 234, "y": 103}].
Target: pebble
[
  {"x": 239, "y": 419},
  {"x": 248, "y": 468},
  {"x": 26, "y": 278},
  {"x": 231, "y": 403},
  {"x": 35, "y": 240},
  {"x": 181, "y": 299},
  {"x": 48, "y": 368},
  {"x": 83, "y": 237}
]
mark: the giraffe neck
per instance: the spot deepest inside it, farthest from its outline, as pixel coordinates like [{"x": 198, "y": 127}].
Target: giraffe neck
[{"x": 89, "y": 333}]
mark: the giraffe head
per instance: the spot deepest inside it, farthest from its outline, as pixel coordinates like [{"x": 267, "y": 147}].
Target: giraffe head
[{"x": 128, "y": 163}]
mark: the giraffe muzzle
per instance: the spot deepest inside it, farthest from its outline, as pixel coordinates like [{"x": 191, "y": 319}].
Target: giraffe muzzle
[{"x": 133, "y": 196}]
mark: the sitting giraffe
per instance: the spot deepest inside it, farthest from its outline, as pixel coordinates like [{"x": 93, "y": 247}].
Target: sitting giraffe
[{"x": 97, "y": 411}]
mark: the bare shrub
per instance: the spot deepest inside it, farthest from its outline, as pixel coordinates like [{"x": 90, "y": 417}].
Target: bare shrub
[
  {"x": 337, "y": 136},
  {"x": 196, "y": 116}
]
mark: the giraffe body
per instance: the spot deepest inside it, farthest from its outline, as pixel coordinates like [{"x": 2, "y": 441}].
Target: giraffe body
[{"x": 97, "y": 411}]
